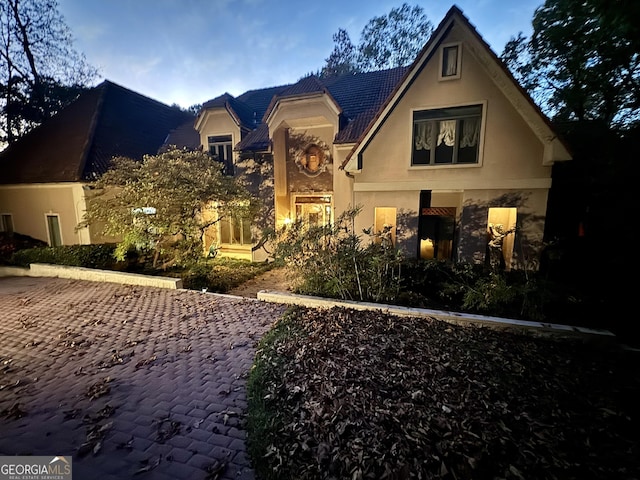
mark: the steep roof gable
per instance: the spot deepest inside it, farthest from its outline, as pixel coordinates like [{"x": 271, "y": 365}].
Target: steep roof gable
[
  {"x": 248, "y": 109},
  {"x": 356, "y": 96},
  {"x": 79, "y": 142},
  {"x": 555, "y": 150}
]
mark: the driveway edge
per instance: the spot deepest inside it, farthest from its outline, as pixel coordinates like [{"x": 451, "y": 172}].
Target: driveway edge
[
  {"x": 90, "y": 274},
  {"x": 451, "y": 317}
]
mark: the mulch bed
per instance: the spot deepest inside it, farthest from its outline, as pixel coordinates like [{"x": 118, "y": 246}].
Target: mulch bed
[{"x": 355, "y": 395}]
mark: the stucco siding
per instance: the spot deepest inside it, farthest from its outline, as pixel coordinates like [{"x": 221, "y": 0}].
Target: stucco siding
[
  {"x": 509, "y": 149},
  {"x": 30, "y": 204},
  {"x": 218, "y": 122}
]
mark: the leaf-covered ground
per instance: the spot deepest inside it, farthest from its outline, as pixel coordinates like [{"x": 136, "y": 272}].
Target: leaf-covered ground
[{"x": 340, "y": 394}]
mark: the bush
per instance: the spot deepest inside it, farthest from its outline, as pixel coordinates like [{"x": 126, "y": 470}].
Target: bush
[
  {"x": 11, "y": 242},
  {"x": 90, "y": 256},
  {"x": 332, "y": 261},
  {"x": 219, "y": 275}
]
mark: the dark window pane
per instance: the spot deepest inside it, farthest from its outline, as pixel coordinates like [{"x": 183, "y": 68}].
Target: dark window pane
[{"x": 444, "y": 154}]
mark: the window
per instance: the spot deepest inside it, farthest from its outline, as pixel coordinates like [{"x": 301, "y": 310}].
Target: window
[
  {"x": 313, "y": 210},
  {"x": 501, "y": 228},
  {"x": 220, "y": 148},
  {"x": 235, "y": 231},
  {"x": 450, "y": 62},
  {"x": 53, "y": 230},
  {"x": 6, "y": 223},
  {"x": 446, "y": 136},
  {"x": 385, "y": 225}
]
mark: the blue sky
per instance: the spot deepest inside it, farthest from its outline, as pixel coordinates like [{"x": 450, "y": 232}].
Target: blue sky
[{"x": 189, "y": 51}]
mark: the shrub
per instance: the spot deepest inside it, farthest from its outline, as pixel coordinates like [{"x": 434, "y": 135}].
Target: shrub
[
  {"x": 218, "y": 275},
  {"x": 91, "y": 256},
  {"x": 441, "y": 283},
  {"x": 332, "y": 261},
  {"x": 11, "y": 242}
]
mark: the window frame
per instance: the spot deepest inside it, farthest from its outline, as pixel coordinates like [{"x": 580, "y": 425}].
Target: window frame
[
  {"x": 453, "y": 164},
  {"x": 4, "y": 226},
  {"x": 46, "y": 221},
  {"x": 441, "y": 65},
  {"x": 231, "y": 222},
  {"x": 325, "y": 199},
  {"x": 221, "y": 141}
]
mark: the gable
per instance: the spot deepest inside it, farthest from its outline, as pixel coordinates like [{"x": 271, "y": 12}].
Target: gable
[{"x": 455, "y": 29}]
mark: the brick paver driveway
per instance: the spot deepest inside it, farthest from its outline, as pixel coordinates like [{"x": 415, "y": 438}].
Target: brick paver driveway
[{"x": 133, "y": 382}]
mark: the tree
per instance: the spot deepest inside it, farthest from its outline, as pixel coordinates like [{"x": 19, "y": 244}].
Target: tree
[
  {"x": 387, "y": 41},
  {"x": 165, "y": 203},
  {"x": 393, "y": 40},
  {"x": 40, "y": 72},
  {"x": 582, "y": 61},
  {"x": 343, "y": 58}
]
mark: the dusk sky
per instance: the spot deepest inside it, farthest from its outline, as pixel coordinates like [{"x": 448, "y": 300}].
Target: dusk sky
[{"x": 189, "y": 51}]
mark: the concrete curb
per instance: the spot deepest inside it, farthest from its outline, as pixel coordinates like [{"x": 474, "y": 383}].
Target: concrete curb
[
  {"x": 451, "y": 317},
  {"x": 90, "y": 274},
  {"x": 14, "y": 272}
]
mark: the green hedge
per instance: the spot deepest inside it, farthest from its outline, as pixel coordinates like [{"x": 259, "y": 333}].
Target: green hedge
[{"x": 90, "y": 256}]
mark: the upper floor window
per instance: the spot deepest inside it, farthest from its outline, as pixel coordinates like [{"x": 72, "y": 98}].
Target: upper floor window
[
  {"x": 446, "y": 136},
  {"x": 221, "y": 149},
  {"x": 450, "y": 62}
]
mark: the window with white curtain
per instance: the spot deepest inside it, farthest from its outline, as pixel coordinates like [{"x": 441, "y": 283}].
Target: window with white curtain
[
  {"x": 450, "y": 61},
  {"x": 446, "y": 135}
]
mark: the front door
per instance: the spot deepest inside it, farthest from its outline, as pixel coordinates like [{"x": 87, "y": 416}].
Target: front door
[{"x": 313, "y": 209}]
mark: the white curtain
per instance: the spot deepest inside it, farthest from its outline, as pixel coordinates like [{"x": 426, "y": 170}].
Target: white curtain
[
  {"x": 447, "y": 134},
  {"x": 423, "y": 135},
  {"x": 451, "y": 61},
  {"x": 470, "y": 132}
]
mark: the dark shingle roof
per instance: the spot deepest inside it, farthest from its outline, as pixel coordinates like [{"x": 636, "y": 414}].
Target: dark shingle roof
[
  {"x": 79, "y": 142},
  {"x": 359, "y": 96},
  {"x": 184, "y": 136},
  {"x": 256, "y": 140}
]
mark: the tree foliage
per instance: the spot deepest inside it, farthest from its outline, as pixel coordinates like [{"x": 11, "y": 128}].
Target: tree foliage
[
  {"x": 164, "y": 204},
  {"x": 343, "y": 58},
  {"x": 387, "y": 41},
  {"x": 40, "y": 71},
  {"x": 582, "y": 61}
]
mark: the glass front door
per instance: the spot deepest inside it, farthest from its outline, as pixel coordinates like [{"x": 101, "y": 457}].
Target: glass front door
[{"x": 313, "y": 210}]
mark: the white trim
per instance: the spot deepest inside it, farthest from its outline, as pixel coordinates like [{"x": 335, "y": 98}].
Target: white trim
[
  {"x": 458, "y": 62},
  {"x": 208, "y": 112},
  {"x": 282, "y": 103},
  {"x": 454, "y": 185},
  {"x": 46, "y": 222}
]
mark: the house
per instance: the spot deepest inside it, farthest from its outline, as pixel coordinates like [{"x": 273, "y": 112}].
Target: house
[
  {"x": 449, "y": 154},
  {"x": 44, "y": 176}
]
